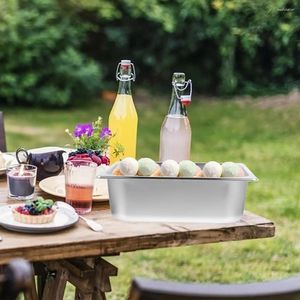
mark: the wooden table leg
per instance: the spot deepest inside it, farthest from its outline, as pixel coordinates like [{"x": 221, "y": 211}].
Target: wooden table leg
[
  {"x": 31, "y": 294},
  {"x": 103, "y": 271},
  {"x": 90, "y": 276},
  {"x": 41, "y": 273},
  {"x": 81, "y": 295},
  {"x": 98, "y": 295},
  {"x": 55, "y": 285}
]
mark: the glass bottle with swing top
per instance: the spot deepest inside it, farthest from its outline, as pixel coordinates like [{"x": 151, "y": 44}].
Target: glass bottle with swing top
[
  {"x": 175, "y": 133},
  {"x": 123, "y": 119}
]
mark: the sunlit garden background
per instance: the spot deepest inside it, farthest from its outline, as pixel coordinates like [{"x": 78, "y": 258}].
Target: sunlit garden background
[{"x": 57, "y": 68}]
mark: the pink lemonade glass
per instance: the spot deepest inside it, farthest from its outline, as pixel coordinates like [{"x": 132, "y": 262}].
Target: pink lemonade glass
[{"x": 80, "y": 178}]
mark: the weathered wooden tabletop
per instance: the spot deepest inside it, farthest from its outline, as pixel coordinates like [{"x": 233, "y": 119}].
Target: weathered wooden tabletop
[{"x": 119, "y": 236}]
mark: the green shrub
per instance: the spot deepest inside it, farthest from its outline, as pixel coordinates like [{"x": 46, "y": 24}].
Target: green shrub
[
  {"x": 225, "y": 46},
  {"x": 40, "y": 58}
]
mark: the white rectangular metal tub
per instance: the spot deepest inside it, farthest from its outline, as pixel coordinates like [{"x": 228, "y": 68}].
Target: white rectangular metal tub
[{"x": 167, "y": 199}]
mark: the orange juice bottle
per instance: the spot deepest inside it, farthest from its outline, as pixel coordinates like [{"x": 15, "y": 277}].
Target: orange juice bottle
[{"x": 123, "y": 119}]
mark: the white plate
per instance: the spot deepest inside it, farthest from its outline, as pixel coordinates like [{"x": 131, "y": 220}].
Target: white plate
[
  {"x": 64, "y": 218},
  {"x": 9, "y": 161},
  {"x": 55, "y": 185}
]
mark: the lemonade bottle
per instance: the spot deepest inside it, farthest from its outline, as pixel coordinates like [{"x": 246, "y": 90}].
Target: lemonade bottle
[
  {"x": 175, "y": 133},
  {"x": 123, "y": 119}
]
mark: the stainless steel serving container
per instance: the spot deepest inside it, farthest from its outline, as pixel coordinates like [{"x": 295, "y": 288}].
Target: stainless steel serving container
[{"x": 173, "y": 199}]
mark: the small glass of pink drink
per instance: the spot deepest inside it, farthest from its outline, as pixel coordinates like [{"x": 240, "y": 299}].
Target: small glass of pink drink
[{"x": 79, "y": 179}]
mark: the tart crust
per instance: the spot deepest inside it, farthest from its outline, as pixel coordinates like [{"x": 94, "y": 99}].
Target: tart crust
[{"x": 33, "y": 219}]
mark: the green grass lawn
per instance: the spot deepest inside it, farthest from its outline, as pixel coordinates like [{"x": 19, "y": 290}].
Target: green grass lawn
[{"x": 267, "y": 140}]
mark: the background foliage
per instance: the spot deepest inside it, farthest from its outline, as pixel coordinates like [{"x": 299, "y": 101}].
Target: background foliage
[
  {"x": 52, "y": 50},
  {"x": 226, "y": 47},
  {"x": 40, "y": 60}
]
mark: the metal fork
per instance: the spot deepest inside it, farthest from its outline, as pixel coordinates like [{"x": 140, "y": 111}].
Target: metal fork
[{"x": 92, "y": 224}]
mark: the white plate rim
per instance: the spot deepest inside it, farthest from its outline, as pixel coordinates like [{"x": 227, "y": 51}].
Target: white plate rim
[
  {"x": 13, "y": 161},
  {"x": 37, "y": 228}
]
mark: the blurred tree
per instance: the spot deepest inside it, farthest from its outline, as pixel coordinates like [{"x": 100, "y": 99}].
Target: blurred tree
[
  {"x": 49, "y": 47},
  {"x": 226, "y": 46},
  {"x": 40, "y": 61}
]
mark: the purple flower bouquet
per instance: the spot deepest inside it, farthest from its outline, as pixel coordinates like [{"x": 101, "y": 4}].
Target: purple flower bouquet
[{"x": 92, "y": 142}]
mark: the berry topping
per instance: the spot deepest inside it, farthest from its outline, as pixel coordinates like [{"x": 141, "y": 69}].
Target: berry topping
[
  {"x": 37, "y": 207},
  {"x": 89, "y": 155}
]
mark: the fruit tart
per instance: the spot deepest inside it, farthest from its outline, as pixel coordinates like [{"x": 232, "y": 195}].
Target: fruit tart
[{"x": 38, "y": 211}]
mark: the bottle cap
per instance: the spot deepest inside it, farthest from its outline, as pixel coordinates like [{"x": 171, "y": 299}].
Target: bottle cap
[
  {"x": 178, "y": 74},
  {"x": 185, "y": 99},
  {"x": 125, "y": 65},
  {"x": 125, "y": 62}
]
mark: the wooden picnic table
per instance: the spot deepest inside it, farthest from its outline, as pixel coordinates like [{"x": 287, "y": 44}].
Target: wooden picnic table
[{"x": 76, "y": 253}]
